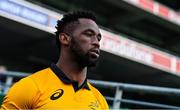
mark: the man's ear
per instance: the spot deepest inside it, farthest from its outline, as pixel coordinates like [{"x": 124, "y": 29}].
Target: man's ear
[{"x": 64, "y": 39}]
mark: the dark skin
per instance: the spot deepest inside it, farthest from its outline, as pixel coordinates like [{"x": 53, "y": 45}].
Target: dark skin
[{"x": 87, "y": 37}]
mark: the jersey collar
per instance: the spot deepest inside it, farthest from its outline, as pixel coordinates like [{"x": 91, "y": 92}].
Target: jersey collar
[{"x": 66, "y": 80}]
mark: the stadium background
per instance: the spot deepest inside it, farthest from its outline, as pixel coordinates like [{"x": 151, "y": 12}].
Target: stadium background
[{"x": 140, "y": 45}]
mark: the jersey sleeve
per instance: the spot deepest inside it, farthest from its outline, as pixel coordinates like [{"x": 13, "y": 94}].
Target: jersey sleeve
[{"x": 22, "y": 95}]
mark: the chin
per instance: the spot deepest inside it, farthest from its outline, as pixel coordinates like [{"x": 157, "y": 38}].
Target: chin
[
  {"x": 92, "y": 62},
  {"x": 88, "y": 60}
]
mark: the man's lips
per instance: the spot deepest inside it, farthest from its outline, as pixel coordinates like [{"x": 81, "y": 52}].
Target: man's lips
[{"x": 94, "y": 52}]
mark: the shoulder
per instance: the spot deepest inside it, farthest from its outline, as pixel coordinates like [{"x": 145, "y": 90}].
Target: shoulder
[
  {"x": 93, "y": 88},
  {"x": 27, "y": 85},
  {"x": 25, "y": 92},
  {"x": 34, "y": 79},
  {"x": 41, "y": 73},
  {"x": 42, "y": 78},
  {"x": 20, "y": 93},
  {"x": 95, "y": 91}
]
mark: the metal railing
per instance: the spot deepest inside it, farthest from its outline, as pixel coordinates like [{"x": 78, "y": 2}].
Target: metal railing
[
  {"x": 118, "y": 87},
  {"x": 121, "y": 87}
]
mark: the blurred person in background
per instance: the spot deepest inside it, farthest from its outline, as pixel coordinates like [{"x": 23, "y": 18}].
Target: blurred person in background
[{"x": 64, "y": 85}]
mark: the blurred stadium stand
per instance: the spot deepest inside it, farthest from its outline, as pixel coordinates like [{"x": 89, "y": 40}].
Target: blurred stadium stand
[{"x": 141, "y": 43}]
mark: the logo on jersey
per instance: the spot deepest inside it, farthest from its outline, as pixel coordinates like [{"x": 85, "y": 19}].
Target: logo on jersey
[
  {"x": 94, "y": 105},
  {"x": 57, "y": 94}
]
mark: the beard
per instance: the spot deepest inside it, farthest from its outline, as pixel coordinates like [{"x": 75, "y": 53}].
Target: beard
[{"x": 83, "y": 59}]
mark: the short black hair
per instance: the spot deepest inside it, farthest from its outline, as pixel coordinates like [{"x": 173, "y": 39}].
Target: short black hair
[{"x": 69, "y": 20}]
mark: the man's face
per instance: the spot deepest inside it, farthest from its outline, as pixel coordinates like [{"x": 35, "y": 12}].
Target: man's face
[{"x": 85, "y": 42}]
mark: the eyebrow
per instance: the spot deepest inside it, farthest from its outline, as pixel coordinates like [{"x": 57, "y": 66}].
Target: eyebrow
[
  {"x": 89, "y": 30},
  {"x": 92, "y": 31}
]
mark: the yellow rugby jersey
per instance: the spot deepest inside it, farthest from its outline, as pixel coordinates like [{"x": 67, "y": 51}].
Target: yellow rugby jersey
[{"x": 51, "y": 89}]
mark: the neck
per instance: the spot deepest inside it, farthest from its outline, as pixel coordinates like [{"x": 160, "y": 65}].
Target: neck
[{"x": 72, "y": 69}]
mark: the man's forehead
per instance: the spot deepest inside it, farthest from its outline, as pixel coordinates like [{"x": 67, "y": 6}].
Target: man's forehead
[
  {"x": 88, "y": 23},
  {"x": 86, "y": 20}
]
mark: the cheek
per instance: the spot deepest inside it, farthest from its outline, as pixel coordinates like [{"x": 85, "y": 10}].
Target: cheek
[
  {"x": 82, "y": 43},
  {"x": 80, "y": 47},
  {"x": 84, "y": 48},
  {"x": 85, "y": 44}
]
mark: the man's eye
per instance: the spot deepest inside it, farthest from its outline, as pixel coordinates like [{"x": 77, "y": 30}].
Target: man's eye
[{"x": 88, "y": 34}]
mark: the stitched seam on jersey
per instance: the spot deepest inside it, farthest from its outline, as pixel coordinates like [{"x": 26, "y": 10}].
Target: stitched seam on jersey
[
  {"x": 34, "y": 82},
  {"x": 35, "y": 85}
]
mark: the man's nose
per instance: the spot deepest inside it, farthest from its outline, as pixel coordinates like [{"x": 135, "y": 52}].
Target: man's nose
[{"x": 96, "y": 42}]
